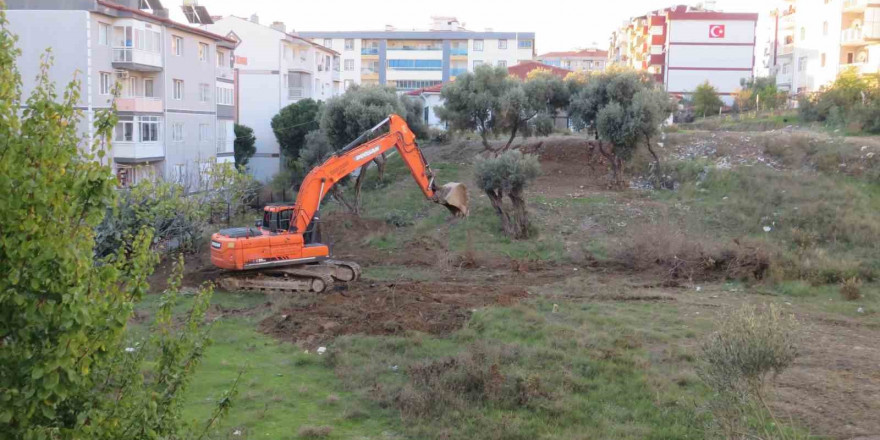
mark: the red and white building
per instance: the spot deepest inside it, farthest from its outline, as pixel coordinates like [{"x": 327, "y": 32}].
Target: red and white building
[{"x": 684, "y": 47}]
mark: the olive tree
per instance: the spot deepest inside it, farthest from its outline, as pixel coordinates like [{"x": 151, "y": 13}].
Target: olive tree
[
  {"x": 67, "y": 370},
  {"x": 492, "y": 102},
  {"x": 622, "y": 109},
  {"x": 347, "y": 116},
  {"x": 508, "y": 174},
  {"x": 473, "y": 102}
]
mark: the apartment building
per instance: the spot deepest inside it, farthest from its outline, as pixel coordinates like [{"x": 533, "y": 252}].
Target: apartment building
[
  {"x": 175, "y": 111},
  {"x": 415, "y": 59},
  {"x": 584, "y": 60},
  {"x": 683, "y": 46},
  {"x": 811, "y": 41},
  {"x": 275, "y": 69}
]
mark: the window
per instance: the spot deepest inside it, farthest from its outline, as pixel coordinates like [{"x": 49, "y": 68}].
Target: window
[
  {"x": 204, "y": 132},
  {"x": 177, "y": 90},
  {"x": 149, "y": 88},
  {"x": 180, "y": 172},
  {"x": 525, "y": 44},
  {"x": 803, "y": 33},
  {"x": 414, "y": 84},
  {"x": 134, "y": 87},
  {"x": 478, "y": 45},
  {"x": 177, "y": 45},
  {"x": 328, "y": 42},
  {"x": 349, "y": 44},
  {"x": 825, "y": 28},
  {"x": 103, "y": 34},
  {"x": 349, "y": 65},
  {"x": 106, "y": 83},
  {"x": 822, "y": 58},
  {"x": 502, "y": 44},
  {"x": 348, "y": 83},
  {"x": 203, "y": 52},
  {"x": 415, "y": 64},
  {"x": 204, "y": 92},
  {"x": 802, "y": 64},
  {"x": 850, "y": 57},
  {"x": 221, "y": 135},
  {"x": 478, "y": 63},
  {"x": 221, "y": 59},
  {"x": 149, "y": 126},
  {"x": 786, "y": 68},
  {"x": 502, "y": 63},
  {"x": 124, "y": 129},
  {"x": 177, "y": 132},
  {"x": 225, "y": 95}
]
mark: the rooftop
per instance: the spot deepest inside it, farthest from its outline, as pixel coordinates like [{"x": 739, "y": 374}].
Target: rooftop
[
  {"x": 164, "y": 20},
  {"x": 584, "y": 53},
  {"x": 523, "y": 69}
]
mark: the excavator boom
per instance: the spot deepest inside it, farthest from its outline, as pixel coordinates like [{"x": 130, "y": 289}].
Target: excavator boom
[{"x": 283, "y": 252}]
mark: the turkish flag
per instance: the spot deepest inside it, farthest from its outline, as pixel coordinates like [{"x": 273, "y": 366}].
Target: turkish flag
[{"x": 716, "y": 31}]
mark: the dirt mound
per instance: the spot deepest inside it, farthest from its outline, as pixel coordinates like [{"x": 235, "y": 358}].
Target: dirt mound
[{"x": 388, "y": 308}]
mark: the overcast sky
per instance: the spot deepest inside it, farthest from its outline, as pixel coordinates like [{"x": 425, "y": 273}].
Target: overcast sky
[{"x": 558, "y": 25}]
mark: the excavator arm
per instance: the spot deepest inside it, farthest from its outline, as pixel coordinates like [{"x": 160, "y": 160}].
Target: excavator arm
[{"x": 321, "y": 179}]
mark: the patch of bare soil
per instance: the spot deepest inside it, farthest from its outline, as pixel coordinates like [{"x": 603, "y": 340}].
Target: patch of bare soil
[
  {"x": 833, "y": 388},
  {"x": 388, "y": 308},
  {"x": 570, "y": 166}
]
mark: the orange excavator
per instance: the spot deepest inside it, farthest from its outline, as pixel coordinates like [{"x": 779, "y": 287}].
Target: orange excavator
[{"x": 284, "y": 253}]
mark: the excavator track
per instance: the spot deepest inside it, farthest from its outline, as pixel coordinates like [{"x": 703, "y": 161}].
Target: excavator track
[{"x": 318, "y": 277}]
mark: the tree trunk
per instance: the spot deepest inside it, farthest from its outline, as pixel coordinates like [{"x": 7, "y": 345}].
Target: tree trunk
[
  {"x": 512, "y": 137},
  {"x": 336, "y": 192},
  {"x": 657, "y": 171},
  {"x": 496, "y": 198},
  {"x": 358, "y": 185},
  {"x": 520, "y": 225},
  {"x": 484, "y": 135},
  {"x": 613, "y": 161},
  {"x": 381, "y": 160}
]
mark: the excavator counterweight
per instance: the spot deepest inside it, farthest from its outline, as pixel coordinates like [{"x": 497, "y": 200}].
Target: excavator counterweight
[{"x": 283, "y": 251}]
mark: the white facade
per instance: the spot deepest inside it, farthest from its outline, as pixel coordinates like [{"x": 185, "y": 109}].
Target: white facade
[
  {"x": 708, "y": 46},
  {"x": 811, "y": 42},
  {"x": 275, "y": 69},
  {"x": 170, "y": 121},
  {"x": 411, "y": 60}
]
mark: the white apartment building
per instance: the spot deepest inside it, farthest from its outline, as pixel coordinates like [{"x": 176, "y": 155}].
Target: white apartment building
[
  {"x": 175, "y": 111},
  {"x": 583, "y": 60},
  {"x": 811, "y": 41},
  {"x": 275, "y": 69},
  {"x": 415, "y": 59}
]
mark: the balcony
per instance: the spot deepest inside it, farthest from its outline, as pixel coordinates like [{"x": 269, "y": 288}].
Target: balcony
[
  {"x": 457, "y": 71},
  {"x": 133, "y": 152},
  {"x": 861, "y": 68},
  {"x": 857, "y": 36},
  {"x": 139, "y": 104},
  {"x": 224, "y": 72},
  {"x": 370, "y": 51},
  {"x": 140, "y": 60},
  {"x": 458, "y": 51}
]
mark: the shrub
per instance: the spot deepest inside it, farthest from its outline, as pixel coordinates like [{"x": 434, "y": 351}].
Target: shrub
[
  {"x": 850, "y": 290},
  {"x": 309, "y": 431},
  {"x": 508, "y": 174},
  {"x": 751, "y": 346},
  {"x": 706, "y": 100},
  {"x": 543, "y": 124}
]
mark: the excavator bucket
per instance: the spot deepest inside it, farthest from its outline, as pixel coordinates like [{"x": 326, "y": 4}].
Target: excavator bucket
[{"x": 454, "y": 197}]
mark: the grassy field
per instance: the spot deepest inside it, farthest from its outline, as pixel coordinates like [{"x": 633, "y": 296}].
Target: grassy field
[{"x": 606, "y": 344}]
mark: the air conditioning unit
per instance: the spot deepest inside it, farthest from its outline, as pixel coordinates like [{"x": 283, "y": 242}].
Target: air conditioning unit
[{"x": 121, "y": 74}]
